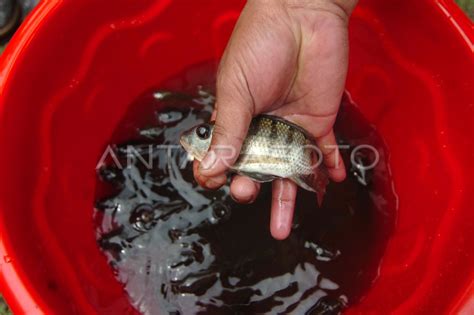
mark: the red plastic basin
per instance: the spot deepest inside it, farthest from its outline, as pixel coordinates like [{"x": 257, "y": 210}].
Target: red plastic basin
[{"x": 70, "y": 73}]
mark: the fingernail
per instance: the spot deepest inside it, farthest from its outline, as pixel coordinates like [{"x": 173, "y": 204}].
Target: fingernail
[
  {"x": 247, "y": 201},
  {"x": 251, "y": 200},
  {"x": 215, "y": 182},
  {"x": 208, "y": 161}
]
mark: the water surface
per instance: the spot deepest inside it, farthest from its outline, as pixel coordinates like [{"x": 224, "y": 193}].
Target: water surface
[{"x": 179, "y": 249}]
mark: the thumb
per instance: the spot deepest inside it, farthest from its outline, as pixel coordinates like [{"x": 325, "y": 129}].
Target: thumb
[{"x": 234, "y": 112}]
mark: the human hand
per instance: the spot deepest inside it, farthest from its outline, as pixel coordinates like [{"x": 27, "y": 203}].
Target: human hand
[{"x": 287, "y": 58}]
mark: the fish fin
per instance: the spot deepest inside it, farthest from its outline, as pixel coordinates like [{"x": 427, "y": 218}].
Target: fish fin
[
  {"x": 262, "y": 178},
  {"x": 315, "y": 182}
]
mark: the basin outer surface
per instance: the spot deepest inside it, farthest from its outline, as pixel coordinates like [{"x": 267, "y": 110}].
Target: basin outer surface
[{"x": 74, "y": 67}]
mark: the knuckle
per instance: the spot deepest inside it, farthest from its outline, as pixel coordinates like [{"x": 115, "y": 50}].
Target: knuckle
[
  {"x": 329, "y": 150},
  {"x": 284, "y": 200}
]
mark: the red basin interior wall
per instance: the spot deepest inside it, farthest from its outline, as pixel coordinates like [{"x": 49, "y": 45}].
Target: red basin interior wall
[{"x": 69, "y": 75}]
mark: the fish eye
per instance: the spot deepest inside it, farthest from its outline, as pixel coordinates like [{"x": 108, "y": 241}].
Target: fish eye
[{"x": 203, "y": 131}]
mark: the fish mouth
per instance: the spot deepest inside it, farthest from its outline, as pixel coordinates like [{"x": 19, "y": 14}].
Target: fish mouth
[
  {"x": 189, "y": 149},
  {"x": 185, "y": 144}
]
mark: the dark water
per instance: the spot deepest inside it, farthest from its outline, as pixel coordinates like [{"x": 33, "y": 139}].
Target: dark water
[{"x": 179, "y": 249}]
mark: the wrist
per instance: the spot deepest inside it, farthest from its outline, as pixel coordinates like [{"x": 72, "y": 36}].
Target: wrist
[{"x": 341, "y": 8}]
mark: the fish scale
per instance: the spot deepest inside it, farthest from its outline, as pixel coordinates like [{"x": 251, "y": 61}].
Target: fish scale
[
  {"x": 273, "y": 148},
  {"x": 269, "y": 148}
]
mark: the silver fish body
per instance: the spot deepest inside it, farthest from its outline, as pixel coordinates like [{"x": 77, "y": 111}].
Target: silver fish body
[{"x": 273, "y": 148}]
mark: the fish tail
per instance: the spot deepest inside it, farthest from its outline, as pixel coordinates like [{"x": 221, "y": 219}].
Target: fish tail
[
  {"x": 320, "y": 182},
  {"x": 316, "y": 182}
]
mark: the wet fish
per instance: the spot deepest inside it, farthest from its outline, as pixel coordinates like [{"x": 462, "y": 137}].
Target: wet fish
[{"x": 273, "y": 148}]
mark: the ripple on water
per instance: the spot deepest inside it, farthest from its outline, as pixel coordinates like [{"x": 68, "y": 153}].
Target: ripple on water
[{"x": 179, "y": 249}]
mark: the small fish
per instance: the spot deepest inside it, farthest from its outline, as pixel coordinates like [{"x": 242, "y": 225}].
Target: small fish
[{"x": 274, "y": 148}]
